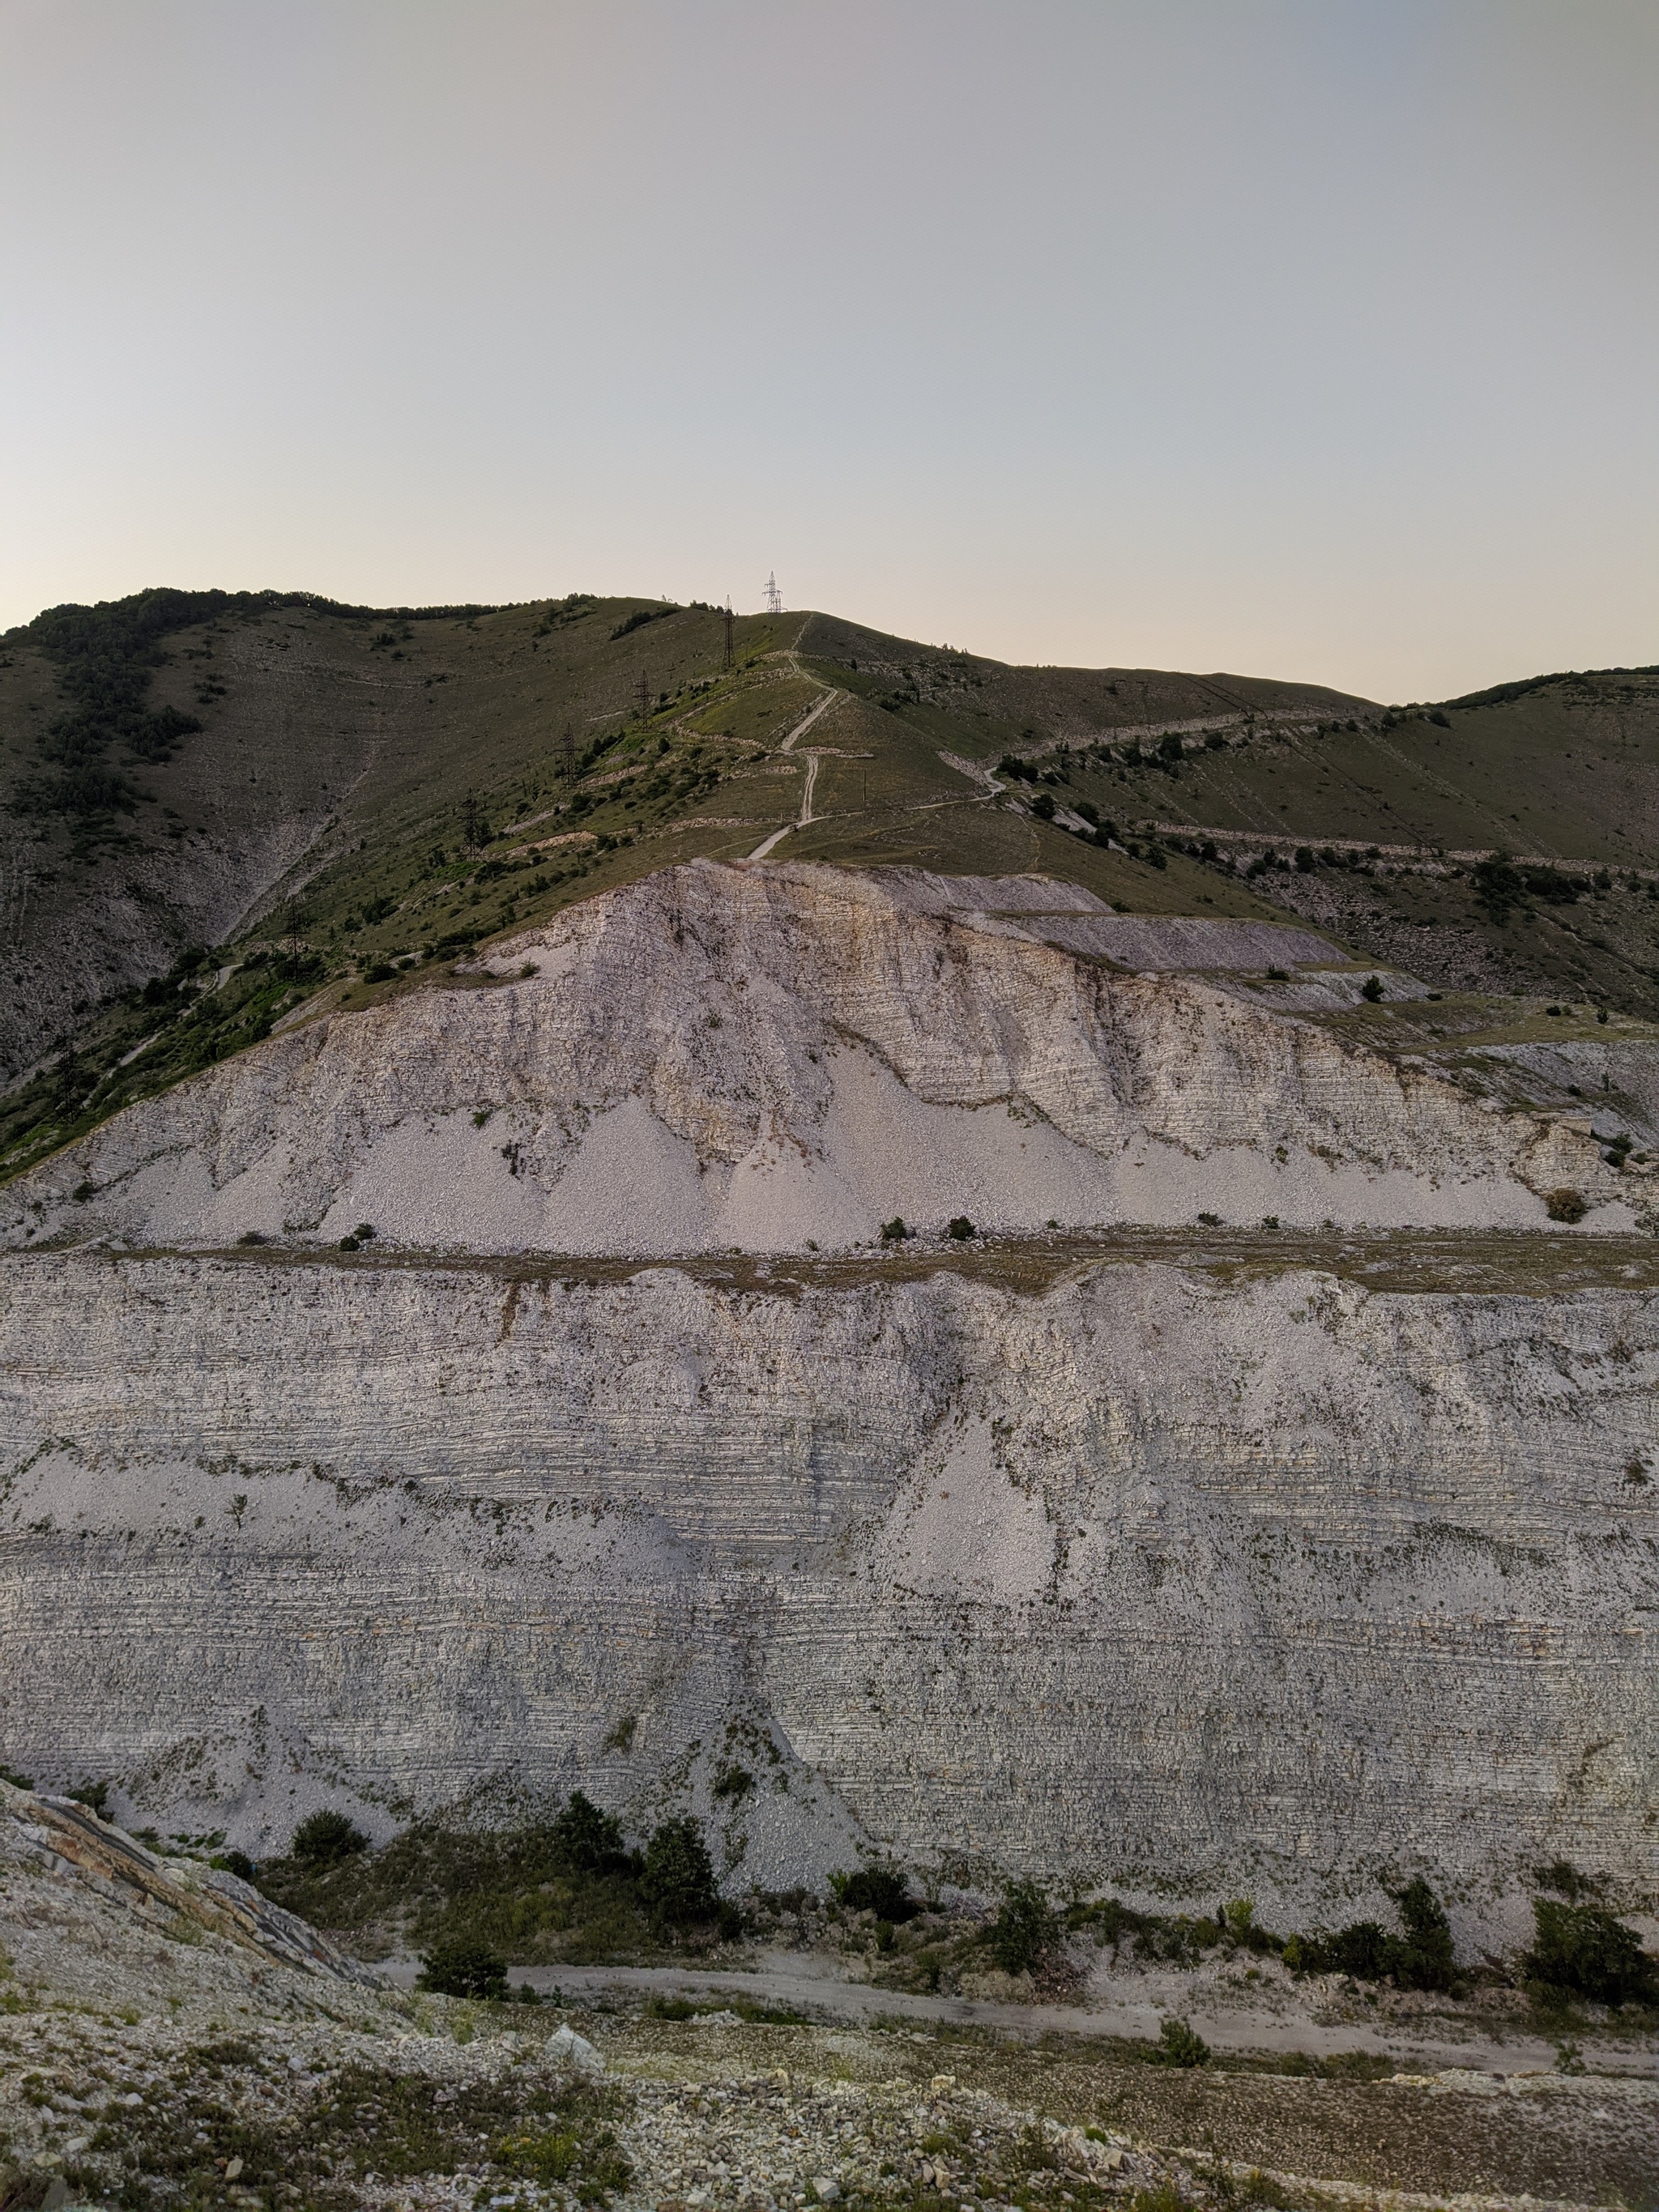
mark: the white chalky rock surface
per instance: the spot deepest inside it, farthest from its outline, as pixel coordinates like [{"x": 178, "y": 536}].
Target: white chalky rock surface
[
  {"x": 719, "y": 1055},
  {"x": 1274, "y": 1581},
  {"x": 1260, "y": 1579}
]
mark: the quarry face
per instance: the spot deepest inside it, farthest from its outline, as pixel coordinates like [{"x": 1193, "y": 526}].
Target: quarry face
[{"x": 627, "y": 1455}]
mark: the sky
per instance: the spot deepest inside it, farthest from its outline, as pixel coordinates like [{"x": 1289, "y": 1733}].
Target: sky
[{"x": 1308, "y": 338}]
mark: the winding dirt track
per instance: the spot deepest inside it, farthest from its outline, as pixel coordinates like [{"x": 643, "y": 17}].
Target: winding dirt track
[{"x": 1257, "y": 2029}]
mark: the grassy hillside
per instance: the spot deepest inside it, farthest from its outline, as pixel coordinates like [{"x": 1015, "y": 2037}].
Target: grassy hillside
[{"x": 342, "y": 800}]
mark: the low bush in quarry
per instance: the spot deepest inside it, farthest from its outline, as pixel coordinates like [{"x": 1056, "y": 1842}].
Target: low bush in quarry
[
  {"x": 463, "y": 1969},
  {"x": 325, "y": 1840},
  {"x": 564, "y": 1890},
  {"x": 1024, "y": 1930},
  {"x": 1583, "y": 1951},
  {"x": 1421, "y": 1957},
  {"x": 1565, "y": 1205},
  {"x": 878, "y": 1889},
  {"x": 1179, "y": 1938},
  {"x": 1418, "y": 1956},
  {"x": 1178, "y": 2045}
]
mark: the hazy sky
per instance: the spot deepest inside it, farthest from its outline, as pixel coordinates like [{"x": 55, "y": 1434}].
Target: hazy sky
[{"x": 1315, "y": 338}]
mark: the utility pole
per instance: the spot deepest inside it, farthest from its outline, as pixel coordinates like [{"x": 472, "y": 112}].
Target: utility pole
[
  {"x": 726, "y": 616},
  {"x": 774, "y": 596}
]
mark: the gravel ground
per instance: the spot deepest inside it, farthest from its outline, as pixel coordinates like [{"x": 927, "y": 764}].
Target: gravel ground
[
  {"x": 424, "y": 2102},
  {"x": 170, "y": 2042}
]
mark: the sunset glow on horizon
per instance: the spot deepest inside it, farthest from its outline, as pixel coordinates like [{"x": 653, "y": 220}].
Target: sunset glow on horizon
[{"x": 1316, "y": 341}]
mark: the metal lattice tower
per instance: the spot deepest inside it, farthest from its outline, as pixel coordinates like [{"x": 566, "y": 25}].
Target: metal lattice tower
[{"x": 774, "y": 596}]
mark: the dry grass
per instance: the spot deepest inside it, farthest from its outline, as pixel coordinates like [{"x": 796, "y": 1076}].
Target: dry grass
[{"x": 1518, "y": 1262}]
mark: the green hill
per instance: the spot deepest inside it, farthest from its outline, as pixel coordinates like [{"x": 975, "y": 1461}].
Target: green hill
[{"x": 343, "y": 799}]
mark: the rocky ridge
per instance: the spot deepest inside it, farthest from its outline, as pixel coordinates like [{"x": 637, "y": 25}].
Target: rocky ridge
[{"x": 86, "y": 1905}]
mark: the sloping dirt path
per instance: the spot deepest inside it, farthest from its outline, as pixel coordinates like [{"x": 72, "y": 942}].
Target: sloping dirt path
[{"x": 819, "y": 707}]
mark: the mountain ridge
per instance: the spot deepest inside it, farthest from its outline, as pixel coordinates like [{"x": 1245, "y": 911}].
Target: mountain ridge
[{"x": 364, "y": 787}]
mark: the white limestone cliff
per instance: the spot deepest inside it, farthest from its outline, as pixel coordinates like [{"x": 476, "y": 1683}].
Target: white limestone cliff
[
  {"x": 1115, "y": 1571},
  {"x": 1150, "y": 1575},
  {"x": 763, "y": 1057}
]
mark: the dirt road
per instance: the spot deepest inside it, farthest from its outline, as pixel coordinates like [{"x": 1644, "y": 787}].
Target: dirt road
[{"x": 1437, "y": 2045}]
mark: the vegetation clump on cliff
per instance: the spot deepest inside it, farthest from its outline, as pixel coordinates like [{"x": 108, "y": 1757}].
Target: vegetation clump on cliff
[
  {"x": 882, "y": 1890},
  {"x": 567, "y": 1889},
  {"x": 1582, "y": 1950},
  {"x": 325, "y": 1840},
  {"x": 1422, "y": 1958}
]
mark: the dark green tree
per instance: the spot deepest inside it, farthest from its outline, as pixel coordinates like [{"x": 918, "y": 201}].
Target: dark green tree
[
  {"x": 677, "y": 1881},
  {"x": 1583, "y": 1949},
  {"x": 325, "y": 1840},
  {"x": 1180, "y": 2045},
  {"x": 463, "y": 1969},
  {"x": 588, "y": 1840},
  {"x": 1023, "y": 1930},
  {"x": 1425, "y": 1959},
  {"x": 880, "y": 1890}
]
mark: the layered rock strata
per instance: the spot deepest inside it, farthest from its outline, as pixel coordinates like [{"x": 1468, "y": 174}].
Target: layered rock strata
[
  {"x": 94, "y": 1912},
  {"x": 779, "y": 1058},
  {"x": 1239, "y": 1573},
  {"x": 1155, "y": 1575}
]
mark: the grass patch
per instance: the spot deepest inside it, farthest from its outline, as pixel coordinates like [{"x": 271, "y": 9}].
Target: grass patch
[
  {"x": 176, "y": 1026},
  {"x": 173, "y": 2150}
]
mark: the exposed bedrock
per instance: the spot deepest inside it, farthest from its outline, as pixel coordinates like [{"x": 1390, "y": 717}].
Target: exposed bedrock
[
  {"x": 766, "y": 1057},
  {"x": 1279, "y": 1581}
]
